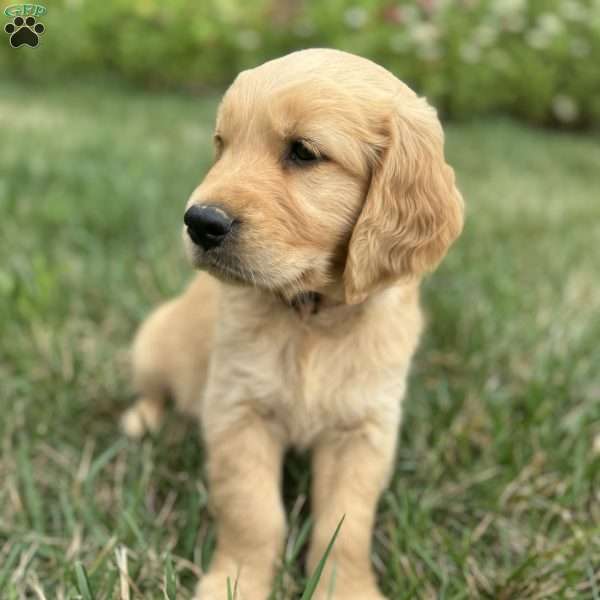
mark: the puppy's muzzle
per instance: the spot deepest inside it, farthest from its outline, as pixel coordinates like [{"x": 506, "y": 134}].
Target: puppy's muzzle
[{"x": 207, "y": 225}]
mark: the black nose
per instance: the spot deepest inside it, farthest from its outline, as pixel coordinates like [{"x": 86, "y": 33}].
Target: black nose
[{"x": 207, "y": 225}]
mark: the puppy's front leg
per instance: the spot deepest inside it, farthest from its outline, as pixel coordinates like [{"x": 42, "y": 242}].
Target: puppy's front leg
[
  {"x": 244, "y": 471},
  {"x": 350, "y": 471}
]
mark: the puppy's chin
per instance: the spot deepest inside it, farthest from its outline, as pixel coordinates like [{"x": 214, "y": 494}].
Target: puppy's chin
[
  {"x": 221, "y": 265},
  {"x": 229, "y": 268},
  {"x": 223, "y": 270}
]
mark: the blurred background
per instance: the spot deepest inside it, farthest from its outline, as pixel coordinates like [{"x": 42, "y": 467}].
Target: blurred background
[
  {"x": 534, "y": 59},
  {"x": 105, "y": 129}
]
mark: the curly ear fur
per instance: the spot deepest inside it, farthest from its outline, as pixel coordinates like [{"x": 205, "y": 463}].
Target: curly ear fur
[{"x": 413, "y": 210}]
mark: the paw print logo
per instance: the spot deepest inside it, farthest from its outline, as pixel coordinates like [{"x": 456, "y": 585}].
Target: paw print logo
[{"x": 24, "y": 31}]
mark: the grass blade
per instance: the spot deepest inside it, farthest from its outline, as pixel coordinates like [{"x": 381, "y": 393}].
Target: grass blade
[
  {"x": 104, "y": 459},
  {"x": 33, "y": 501},
  {"x": 8, "y": 565},
  {"x": 83, "y": 583},
  {"x": 121, "y": 557},
  {"x": 313, "y": 581},
  {"x": 300, "y": 541},
  {"x": 170, "y": 581}
]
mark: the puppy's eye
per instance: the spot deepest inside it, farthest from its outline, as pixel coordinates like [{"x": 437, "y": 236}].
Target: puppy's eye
[{"x": 300, "y": 153}]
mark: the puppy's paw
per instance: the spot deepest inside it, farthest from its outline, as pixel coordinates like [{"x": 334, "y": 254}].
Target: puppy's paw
[
  {"x": 145, "y": 416},
  {"x": 213, "y": 586},
  {"x": 348, "y": 592},
  {"x": 367, "y": 595}
]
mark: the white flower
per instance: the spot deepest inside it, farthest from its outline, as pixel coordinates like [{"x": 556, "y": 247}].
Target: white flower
[
  {"x": 550, "y": 24},
  {"x": 537, "y": 39},
  {"x": 355, "y": 17},
  {"x": 573, "y": 10},
  {"x": 410, "y": 13},
  {"x": 248, "y": 39},
  {"x": 485, "y": 35},
  {"x": 506, "y": 8},
  {"x": 424, "y": 37},
  {"x": 510, "y": 13},
  {"x": 424, "y": 34},
  {"x": 442, "y": 5},
  {"x": 470, "y": 53},
  {"x": 565, "y": 108}
]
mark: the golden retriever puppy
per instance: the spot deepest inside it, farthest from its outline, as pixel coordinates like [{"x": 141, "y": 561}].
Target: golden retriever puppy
[{"x": 328, "y": 200}]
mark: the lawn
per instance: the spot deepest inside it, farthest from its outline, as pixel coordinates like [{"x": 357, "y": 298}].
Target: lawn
[{"x": 496, "y": 492}]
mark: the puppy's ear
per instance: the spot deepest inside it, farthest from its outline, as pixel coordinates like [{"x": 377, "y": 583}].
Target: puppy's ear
[{"x": 413, "y": 210}]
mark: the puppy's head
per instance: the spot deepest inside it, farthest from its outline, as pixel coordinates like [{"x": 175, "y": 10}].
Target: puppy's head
[{"x": 329, "y": 176}]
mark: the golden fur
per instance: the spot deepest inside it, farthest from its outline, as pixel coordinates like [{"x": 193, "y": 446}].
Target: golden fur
[{"x": 360, "y": 227}]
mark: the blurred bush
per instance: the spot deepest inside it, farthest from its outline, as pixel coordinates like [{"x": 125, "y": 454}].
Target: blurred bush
[{"x": 536, "y": 59}]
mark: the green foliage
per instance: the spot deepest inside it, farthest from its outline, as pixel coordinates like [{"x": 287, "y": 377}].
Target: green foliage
[{"x": 537, "y": 59}]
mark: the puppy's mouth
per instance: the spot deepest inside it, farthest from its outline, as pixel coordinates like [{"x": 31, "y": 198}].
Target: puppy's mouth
[
  {"x": 228, "y": 270},
  {"x": 226, "y": 264}
]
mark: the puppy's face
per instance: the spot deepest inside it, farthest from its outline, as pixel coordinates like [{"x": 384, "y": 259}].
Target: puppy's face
[{"x": 301, "y": 145}]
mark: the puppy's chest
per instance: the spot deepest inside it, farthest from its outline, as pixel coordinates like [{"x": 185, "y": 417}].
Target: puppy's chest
[
  {"x": 314, "y": 385},
  {"x": 307, "y": 382}
]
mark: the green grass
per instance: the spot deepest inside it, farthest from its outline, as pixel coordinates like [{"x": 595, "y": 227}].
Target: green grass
[{"x": 496, "y": 489}]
